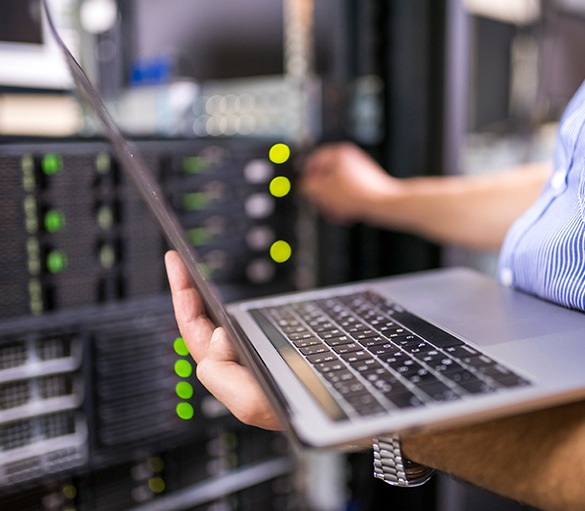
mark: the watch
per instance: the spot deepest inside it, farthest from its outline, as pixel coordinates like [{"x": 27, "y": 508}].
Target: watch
[{"x": 394, "y": 468}]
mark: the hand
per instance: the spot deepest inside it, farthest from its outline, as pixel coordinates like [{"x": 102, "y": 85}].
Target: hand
[
  {"x": 344, "y": 182},
  {"x": 218, "y": 368}
]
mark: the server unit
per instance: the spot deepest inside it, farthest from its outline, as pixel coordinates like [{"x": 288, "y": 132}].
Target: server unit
[{"x": 76, "y": 231}]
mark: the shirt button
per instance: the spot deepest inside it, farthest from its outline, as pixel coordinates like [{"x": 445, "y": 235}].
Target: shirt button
[
  {"x": 506, "y": 277},
  {"x": 558, "y": 180}
]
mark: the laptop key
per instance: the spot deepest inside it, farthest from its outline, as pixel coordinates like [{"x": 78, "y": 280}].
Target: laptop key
[
  {"x": 461, "y": 376},
  {"x": 389, "y": 387},
  {"x": 346, "y": 348},
  {"x": 394, "y": 359},
  {"x": 358, "y": 328},
  {"x": 319, "y": 358},
  {"x": 404, "y": 399},
  {"x": 513, "y": 381},
  {"x": 368, "y": 365},
  {"x": 330, "y": 334},
  {"x": 365, "y": 404},
  {"x": 438, "y": 391},
  {"x": 503, "y": 376},
  {"x": 405, "y": 365},
  {"x": 345, "y": 322},
  {"x": 377, "y": 375},
  {"x": 356, "y": 356},
  {"x": 373, "y": 341},
  {"x": 327, "y": 367},
  {"x": 312, "y": 350},
  {"x": 337, "y": 376},
  {"x": 336, "y": 341},
  {"x": 297, "y": 336},
  {"x": 442, "y": 364},
  {"x": 363, "y": 334},
  {"x": 310, "y": 341},
  {"x": 352, "y": 387},
  {"x": 298, "y": 329},
  {"x": 462, "y": 351},
  {"x": 422, "y": 377},
  {"x": 417, "y": 347},
  {"x": 384, "y": 350},
  {"x": 476, "y": 386},
  {"x": 480, "y": 362},
  {"x": 324, "y": 327}
]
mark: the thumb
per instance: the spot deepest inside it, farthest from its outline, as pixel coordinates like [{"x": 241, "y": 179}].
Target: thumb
[{"x": 221, "y": 348}]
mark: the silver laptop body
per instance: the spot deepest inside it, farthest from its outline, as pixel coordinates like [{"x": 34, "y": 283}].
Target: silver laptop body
[{"x": 540, "y": 343}]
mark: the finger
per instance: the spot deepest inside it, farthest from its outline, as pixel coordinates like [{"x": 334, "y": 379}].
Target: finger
[
  {"x": 193, "y": 324},
  {"x": 316, "y": 162},
  {"x": 313, "y": 182},
  {"x": 235, "y": 385}
]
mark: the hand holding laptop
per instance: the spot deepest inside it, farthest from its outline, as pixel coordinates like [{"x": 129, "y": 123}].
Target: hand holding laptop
[{"x": 218, "y": 367}]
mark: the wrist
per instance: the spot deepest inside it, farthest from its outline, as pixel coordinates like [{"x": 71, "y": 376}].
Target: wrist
[
  {"x": 390, "y": 204},
  {"x": 410, "y": 449}
]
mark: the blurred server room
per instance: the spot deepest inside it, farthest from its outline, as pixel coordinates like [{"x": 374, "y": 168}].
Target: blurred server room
[{"x": 99, "y": 406}]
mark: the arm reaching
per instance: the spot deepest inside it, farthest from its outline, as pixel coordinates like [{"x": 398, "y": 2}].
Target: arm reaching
[{"x": 470, "y": 211}]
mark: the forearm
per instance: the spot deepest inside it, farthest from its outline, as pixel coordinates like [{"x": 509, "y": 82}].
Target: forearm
[
  {"x": 471, "y": 211},
  {"x": 537, "y": 458}
]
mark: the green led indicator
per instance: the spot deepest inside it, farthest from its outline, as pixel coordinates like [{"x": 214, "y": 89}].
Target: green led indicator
[
  {"x": 183, "y": 368},
  {"x": 56, "y": 261},
  {"x": 103, "y": 163},
  {"x": 184, "y": 390},
  {"x": 105, "y": 217},
  {"x": 51, "y": 164},
  {"x": 69, "y": 492},
  {"x": 30, "y": 214},
  {"x": 280, "y": 251},
  {"x": 280, "y": 186},
  {"x": 33, "y": 251},
  {"x": 36, "y": 296},
  {"x": 199, "y": 236},
  {"x": 54, "y": 221},
  {"x": 195, "y": 164},
  {"x": 107, "y": 257},
  {"x": 185, "y": 411},
  {"x": 195, "y": 201},
  {"x": 279, "y": 153},
  {"x": 28, "y": 172},
  {"x": 157, "y": 484},
  {"x": 180, "y": 347}
]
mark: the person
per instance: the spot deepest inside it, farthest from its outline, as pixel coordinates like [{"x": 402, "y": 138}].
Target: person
[{"x": 537, "y": 458}]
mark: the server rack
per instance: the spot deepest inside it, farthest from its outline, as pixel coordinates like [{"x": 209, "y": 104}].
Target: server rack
[{"x": 99, "y": 405}]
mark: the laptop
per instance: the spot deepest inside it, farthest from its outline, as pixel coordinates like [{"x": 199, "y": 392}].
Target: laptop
[{"x": 403, "y": 354}]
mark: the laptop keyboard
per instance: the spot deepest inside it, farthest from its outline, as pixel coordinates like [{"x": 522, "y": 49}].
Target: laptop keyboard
[{"x": 378, "y": 357}]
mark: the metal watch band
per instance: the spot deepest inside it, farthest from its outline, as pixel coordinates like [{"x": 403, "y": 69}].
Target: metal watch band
[{"x": 393, "y": 468}]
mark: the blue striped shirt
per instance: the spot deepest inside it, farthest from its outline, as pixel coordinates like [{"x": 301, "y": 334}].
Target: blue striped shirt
[{"x": 544, "y": 251}]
